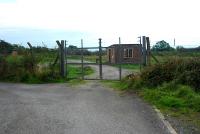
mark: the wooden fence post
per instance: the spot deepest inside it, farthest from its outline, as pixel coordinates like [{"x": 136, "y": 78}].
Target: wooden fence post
[
  {"x": 32, "y": 57},
  {"x": 100, "y": 60},
  {"x": 62, "y": 57}
]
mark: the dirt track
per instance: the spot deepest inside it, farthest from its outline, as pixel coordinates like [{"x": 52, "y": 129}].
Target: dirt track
[{"x": 109, "y": 72}]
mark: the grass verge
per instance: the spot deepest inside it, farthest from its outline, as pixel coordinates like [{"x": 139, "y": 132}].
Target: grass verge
[{"x": 176, "y": 100}]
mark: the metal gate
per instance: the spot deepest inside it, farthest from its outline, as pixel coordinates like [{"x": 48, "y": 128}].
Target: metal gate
[{"x": 98, "y": 64}]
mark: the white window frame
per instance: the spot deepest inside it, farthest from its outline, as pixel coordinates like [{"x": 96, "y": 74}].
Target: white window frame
[{"x": 127, "y": 53}]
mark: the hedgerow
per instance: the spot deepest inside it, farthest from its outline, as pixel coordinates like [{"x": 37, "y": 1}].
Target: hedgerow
[{"x": 184, "y": 71}]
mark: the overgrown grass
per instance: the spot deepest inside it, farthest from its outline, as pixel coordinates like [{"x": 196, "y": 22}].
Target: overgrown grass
[
  {"x": 168, "y": 55},
  {"x": 76, "y": 71},
  {"x": 24, "y": 69},
  {"x": 180, "y": 98}
]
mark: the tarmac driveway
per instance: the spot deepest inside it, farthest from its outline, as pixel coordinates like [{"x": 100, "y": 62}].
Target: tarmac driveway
[{"x": 90, "y": 108}]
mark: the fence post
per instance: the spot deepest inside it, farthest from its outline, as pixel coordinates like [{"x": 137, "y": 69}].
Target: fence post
[
  {"x": 32, "y": 57},
  {"x": 144, "y": 50},
  {"x": 62, "y": 57},
  {"x": 120, "y": 59},
  {"x": 100, "y": 59},
  {"x": 65, "y": 60},
  {"x": 140, "y": 47},
  {"x": 148, "y": 52},
  {"x": 82, "y": 67}
]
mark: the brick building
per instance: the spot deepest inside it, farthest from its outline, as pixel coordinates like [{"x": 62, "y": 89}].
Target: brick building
[{"x": 124, "y": 53}]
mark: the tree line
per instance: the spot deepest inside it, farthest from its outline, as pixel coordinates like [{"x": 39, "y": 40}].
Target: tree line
[
  {"x": 7, "y": 48},
  {"x": 164, "y": 46}
]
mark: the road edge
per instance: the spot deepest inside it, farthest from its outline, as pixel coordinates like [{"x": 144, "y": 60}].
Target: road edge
[{"x": 165, "y": 122}]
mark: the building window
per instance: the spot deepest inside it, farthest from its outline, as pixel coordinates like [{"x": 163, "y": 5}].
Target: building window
[{"x": 128, "y": 53}]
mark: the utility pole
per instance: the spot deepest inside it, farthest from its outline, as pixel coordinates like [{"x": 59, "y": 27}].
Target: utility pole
[{"x": 174, "y": 42}]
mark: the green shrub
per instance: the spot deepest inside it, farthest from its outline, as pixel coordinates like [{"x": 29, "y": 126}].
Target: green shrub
[
  {"x": 48, "y": 77},
  {"x": 16, "y": 68},
  {"x": 153, "y": 95},
  {"x": 188, "y": 72},
  {"x": 194, "y": 103},
  {"x": 183, "y": 71},
  {"x": 192, "y": 99},
  {"x": 3, "y": 67},
  {"x": 159, "y": 73},
  {"x": 29, "y": 64},
  {"x": 184, "y": 92},
  {"x": 171, "y": 86}
]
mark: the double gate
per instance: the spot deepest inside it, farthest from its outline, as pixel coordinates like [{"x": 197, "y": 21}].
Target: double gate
[
  {"x": 99, "y": 64},
  {"x": 103, "y": 68}
]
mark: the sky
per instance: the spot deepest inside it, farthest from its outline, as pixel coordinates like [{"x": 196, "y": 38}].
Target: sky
[{"x": 46, "y": 21}]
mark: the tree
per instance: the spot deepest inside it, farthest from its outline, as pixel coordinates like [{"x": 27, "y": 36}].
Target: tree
[
  {"x": 180, "y": 48},
  {"x": 162, "y": 46},
  {"x": 5, "y": 47},
  {"x": 74, "y": 50}
]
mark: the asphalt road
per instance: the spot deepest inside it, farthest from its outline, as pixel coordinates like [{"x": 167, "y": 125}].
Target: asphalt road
[{"x": 63, "y": 109}]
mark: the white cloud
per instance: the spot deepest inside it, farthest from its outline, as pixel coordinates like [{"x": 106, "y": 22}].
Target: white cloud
[{"x": 160, "y": 19}]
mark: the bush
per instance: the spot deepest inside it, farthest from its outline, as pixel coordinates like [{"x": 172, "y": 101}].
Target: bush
[
  {"x": 184, "y": 71},
  {"x": 159, "y": 73},
  {"x": 3, "y": 67},
  {"x": 188, "y": 72},
  {"x": 16, "y": 68}
]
